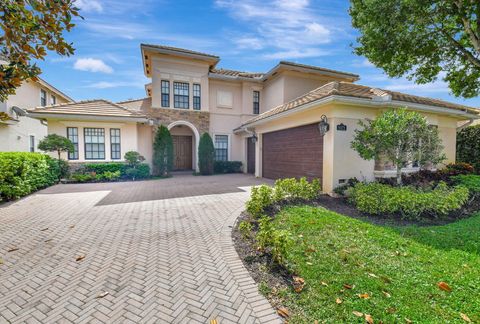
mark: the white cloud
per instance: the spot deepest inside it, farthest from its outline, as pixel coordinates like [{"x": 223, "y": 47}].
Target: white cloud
[
  {"x": 363, "y": 63},
  {"x": 89, "y": 5},
  {"x": 92, "y": 65},
  {"x": 410, "y": 86},
  {"x": 114, "y": 84},
  {"x": 286, "y": 25}
]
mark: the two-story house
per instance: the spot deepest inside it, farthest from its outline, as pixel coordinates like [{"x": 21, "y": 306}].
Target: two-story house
[
  {"x": 294, "y": 120},
  {"x": 19, "y": 132}
]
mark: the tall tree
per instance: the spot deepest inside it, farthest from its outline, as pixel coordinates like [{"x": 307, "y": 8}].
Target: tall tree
[
  {"x": 401, "y": 137},
  {"x": 56, "y": 143},
  {"x": 29, "y": 29},
  {"x": 162, "y": 151},
  {"x": 206, "y": 154},
  {"x": 422, "y": 39}
]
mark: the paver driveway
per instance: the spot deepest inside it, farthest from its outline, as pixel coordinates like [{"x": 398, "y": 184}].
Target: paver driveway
[{"x": 159, "y": 258}]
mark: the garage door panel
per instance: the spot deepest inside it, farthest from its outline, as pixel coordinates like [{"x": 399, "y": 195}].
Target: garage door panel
[{"x": 294, "y": 152}]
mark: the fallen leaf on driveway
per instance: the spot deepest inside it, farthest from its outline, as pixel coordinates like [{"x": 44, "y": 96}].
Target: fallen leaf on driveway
[
  {"x": 364, "y": 296},
  {"x": 338, "y": 301},
  {"x": 213, "y": 321},
  {"x": 71, "y": 226},
  {"x": 283, "y": 312},
  {"x": 102, "y": 294},
  {"x": 48, "y": 240},
  {"x": 465, "y": 318},
  {"x": 369, "y": 319},
  {"x": 13, "y": 249},
  {"x": 80, "y": 257},
  {"x": 358, "y": 314},
  {"x": 44, "y": 229},
  {"x": 444, "y": 286}
]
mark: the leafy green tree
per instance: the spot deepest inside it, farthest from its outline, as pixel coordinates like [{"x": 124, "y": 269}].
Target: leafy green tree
[
  {"x": 422, "y": 39},
  {"x": 56, "y": 143},
  {"x": 206, "y": 154},
  {"x": 163, "y": 151},
  {"x": 30, "y": 28},
  {"x": 401, "y": 137},
  {"x": 133, "y": 158}
]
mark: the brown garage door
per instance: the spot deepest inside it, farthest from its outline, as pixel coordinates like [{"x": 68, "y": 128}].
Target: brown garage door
[{"x": 294, "y": 152}]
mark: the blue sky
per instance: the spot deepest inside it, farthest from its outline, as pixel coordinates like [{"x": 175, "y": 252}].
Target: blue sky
[{"x": 249, "y": 35}]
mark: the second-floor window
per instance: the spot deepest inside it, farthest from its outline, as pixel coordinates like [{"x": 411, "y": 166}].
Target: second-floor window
[
  {"x": 165, "y": 93},
  {"x": 256, "y": 102},
  {"x": 180, "y": 95},
  {"x": 196, "y": 96},
  {"x": 32, "y": 143},
  {"x": 43, "y": 98},
  {"x": 53, "y": 99}
]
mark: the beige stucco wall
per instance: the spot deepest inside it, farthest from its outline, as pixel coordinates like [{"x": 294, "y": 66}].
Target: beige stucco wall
[
  {"x": 340, "y": 160},
  {"x": 16, "y": 137},
  {"x": 128, "y": 136},
  {"x": 273, "y": 93}
]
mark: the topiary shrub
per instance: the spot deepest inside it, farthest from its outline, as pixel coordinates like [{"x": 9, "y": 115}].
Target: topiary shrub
[
  {"x": 102, "y": 167},
  {"x": 468, "y": 146},
  {"x": 206, "y": 155},
  {"x": 162, "y": 152}
]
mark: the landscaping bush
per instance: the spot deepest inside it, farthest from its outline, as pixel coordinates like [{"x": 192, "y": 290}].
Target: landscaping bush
[
  {"x": 277, "y": 242},
  {"x": 470, "y": 181},
  {"x": 408, "y": 202},
  {"x": 288, "y": 189},
  {"x": 468, "y": 146},
  {"x": 100, "y": 168},
  {"x": 22, "y": 173},
  {"x": 162, "y": 151},
  {"x": 340, "y": 190},
  {"x": 84, "y": 177},
  {"x": 206, "y": 155},
  {"x": 227, "y": 166},
  {"x": 141, "y": 171},
  {"x": 108, "y": 176}
]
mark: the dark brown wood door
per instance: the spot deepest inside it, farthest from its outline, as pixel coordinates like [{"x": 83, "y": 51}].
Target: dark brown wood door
[
  {"x": 294, "y": 152},
  {"x": 250, "y": 155},
  {"x": 182, "y": 152}
]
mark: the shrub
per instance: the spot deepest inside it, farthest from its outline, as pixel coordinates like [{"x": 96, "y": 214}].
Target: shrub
[
  {"x": 108, "y": 176},
  {"x": 102, "y": 167},
  {"x": 141, "y": 171},
  {"x": 22, "y": 173},
  {"x": 264, "y": 196},
  {"x": 260, "y": 198},
  {"x": 133, "y": 158},
  {"x": 377, "y": 199},
  {"x": 470, "y": 181},
  {"x": 468, "y": 146},
  {"x": 277, "y": 242},
  {"x": 227, "y": 166},
  {"x": 340, "y": 190},
  {"x": 206, "y": 154},
  {"x": 59, "y": 169},
  {"x": 55, "y": 143},
  {"x": 245, "y": 229},
  {"x": 84, "y": 177},
  {"x": 162, "y": 151},
  {"x": 453, "y": 169}
]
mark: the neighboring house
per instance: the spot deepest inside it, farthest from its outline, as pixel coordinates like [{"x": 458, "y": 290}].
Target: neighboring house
[
  {"x": 19, "y": 132},
  {"x": 269, "y": 121}
]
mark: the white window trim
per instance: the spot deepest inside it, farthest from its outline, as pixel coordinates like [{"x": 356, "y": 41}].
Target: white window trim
[
  {"x": 229, "y": 141},
  {"x": 46, "y": 97}
]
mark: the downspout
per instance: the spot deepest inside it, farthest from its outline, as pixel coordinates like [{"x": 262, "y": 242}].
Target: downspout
[{"x": 470, "y": 122}]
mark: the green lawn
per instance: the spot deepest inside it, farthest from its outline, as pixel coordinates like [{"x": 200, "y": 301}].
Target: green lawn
[{"x": 398, "y": 268}]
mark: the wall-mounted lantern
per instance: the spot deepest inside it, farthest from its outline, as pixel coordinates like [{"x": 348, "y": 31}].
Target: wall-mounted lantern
[
  {"x": 254, "y": 138},
  {"x": 323, "y": 125}
]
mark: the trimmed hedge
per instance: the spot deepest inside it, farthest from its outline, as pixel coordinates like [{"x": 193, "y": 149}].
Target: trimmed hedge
[
  {"x": 408, "y": 202},
  {"x": 22, "y": 173},
  {"x": 111, "y": 171},
  {"x": 227, "y": 166},
  {"x": 468, "y": 146},
  {"x": 103, "y": 167}
]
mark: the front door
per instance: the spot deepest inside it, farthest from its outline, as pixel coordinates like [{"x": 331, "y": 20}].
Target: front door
[
  {"x": 182, "y": 152},
  {"x": 250, "y": 155}
]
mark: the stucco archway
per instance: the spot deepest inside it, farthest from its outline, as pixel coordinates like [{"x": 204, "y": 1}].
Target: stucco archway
[{"x": 195, "y": 133}]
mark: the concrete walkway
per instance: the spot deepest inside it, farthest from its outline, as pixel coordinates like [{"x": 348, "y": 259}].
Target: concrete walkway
[{"x": 164, "y": 260}]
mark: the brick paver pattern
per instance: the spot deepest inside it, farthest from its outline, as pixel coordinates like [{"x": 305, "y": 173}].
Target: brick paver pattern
[{"x": 160, "y": 261}]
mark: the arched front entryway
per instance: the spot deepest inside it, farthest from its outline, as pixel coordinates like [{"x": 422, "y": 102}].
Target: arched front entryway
[{"x": 185, "y": 145}]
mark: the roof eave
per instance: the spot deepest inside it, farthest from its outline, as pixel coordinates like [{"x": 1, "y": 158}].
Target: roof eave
[
  {"x": 282, "y": 64},
  {"x": 364, "y": 102},
  {"x": 100, "y": 118},
  {"x": 222, "y": 77}
]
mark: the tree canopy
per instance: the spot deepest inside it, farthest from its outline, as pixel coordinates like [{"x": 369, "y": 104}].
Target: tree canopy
[
  {"x": 56, "y": 143},
  {"x": 401, "y": 137},
  {"x": 422, "y": 40},
  {"x": 30, "y": 28}
]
